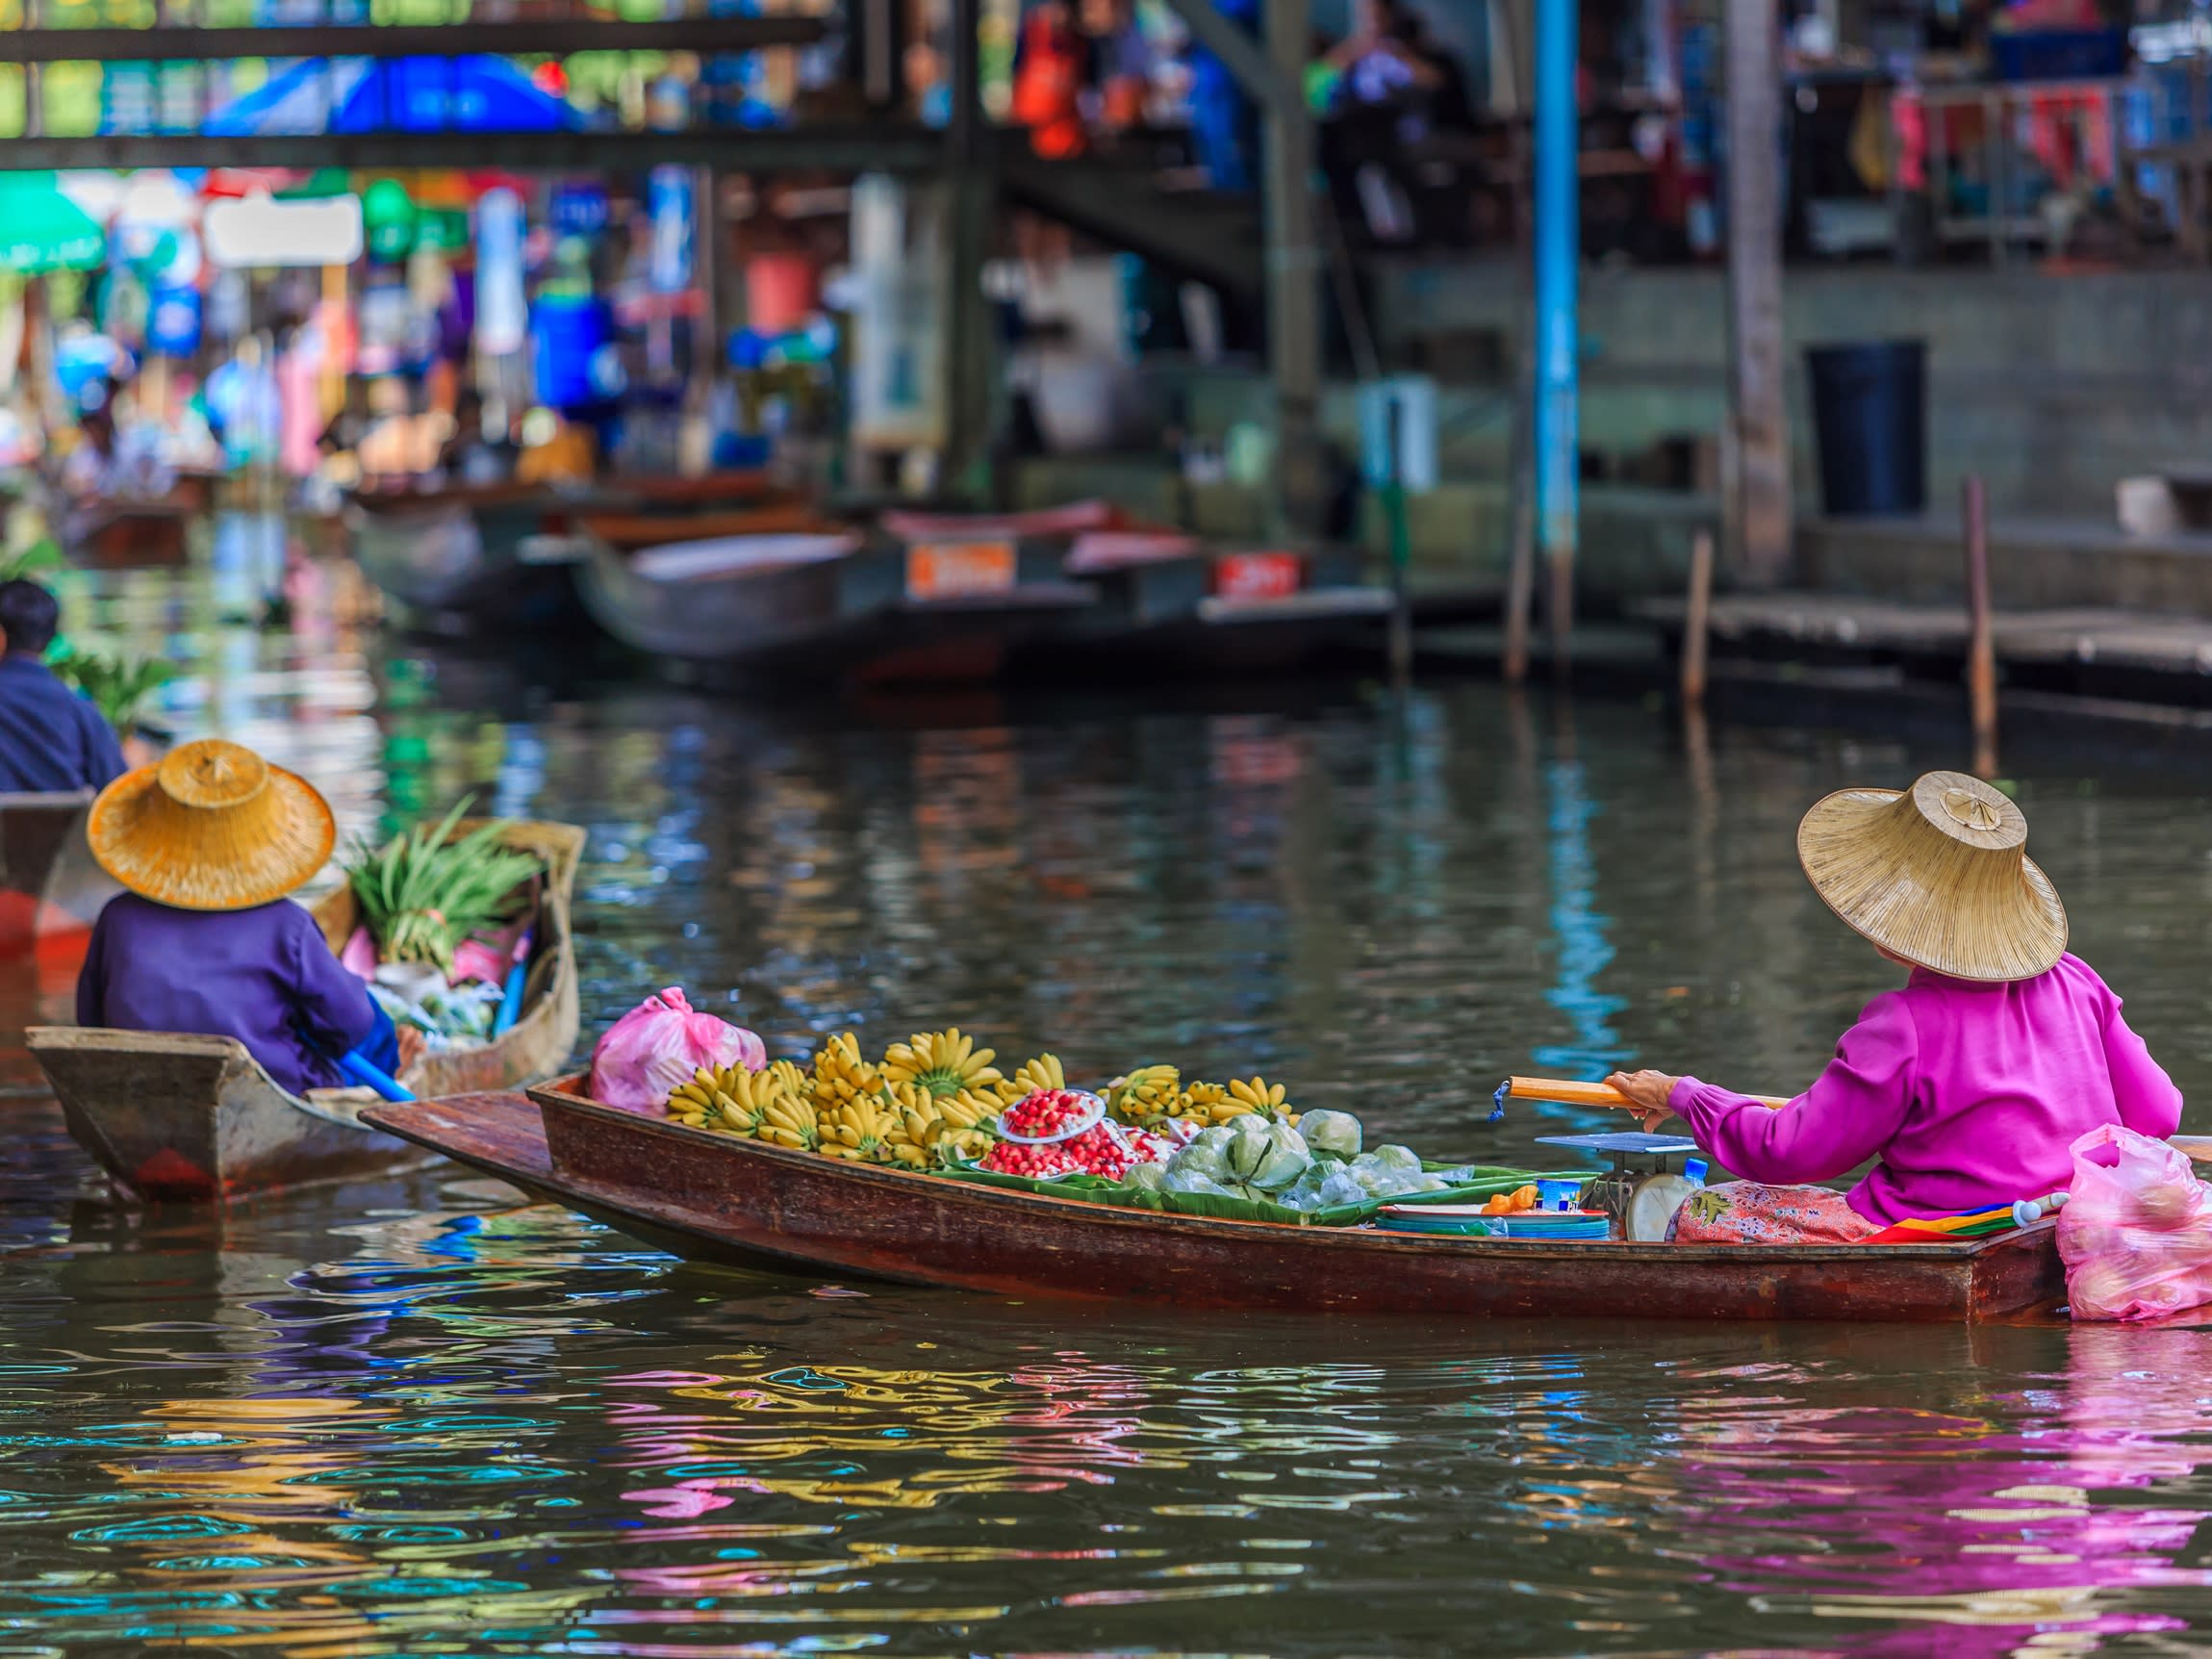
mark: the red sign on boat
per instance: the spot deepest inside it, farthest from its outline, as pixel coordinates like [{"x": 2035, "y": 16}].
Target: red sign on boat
[
  {"x": 1258, "y": 576},
  {"x": 959, "y": 570}
]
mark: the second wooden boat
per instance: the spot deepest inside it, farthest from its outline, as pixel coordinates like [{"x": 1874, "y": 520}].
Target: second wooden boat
[
  {"x": 716, "y": 1197},
  {"x": 50, "y": 890},
  {"x": 464, "y": 558},
  {"x": 172, "y": 1117}
]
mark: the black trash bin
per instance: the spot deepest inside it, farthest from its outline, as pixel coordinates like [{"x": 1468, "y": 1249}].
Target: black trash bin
[{"x": 1870, "y": 419}]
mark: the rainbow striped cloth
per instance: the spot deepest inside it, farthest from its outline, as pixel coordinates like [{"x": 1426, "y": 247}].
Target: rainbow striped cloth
[{"x": 1945, "y": 1229}]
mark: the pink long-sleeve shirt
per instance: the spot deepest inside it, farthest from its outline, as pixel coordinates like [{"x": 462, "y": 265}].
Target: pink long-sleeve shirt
[{"x": 1968, "y": 1094}]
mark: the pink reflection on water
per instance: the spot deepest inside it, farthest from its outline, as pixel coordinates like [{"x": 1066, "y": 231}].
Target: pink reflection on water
[{"x": 1994, "y": 1521}]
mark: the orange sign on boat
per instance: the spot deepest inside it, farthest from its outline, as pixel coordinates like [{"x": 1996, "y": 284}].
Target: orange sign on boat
[
  {"x": 959, "y": 570},
  {"x": 1258, "y": 576}
]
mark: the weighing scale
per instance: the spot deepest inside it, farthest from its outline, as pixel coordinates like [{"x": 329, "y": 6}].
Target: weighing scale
[{"x": 1639, "y": 1192}]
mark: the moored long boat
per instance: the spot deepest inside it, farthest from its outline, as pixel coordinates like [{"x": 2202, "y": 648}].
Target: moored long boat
[
  {"x": 822, "y": 604},
  {"x": 716, "y": 1197},
  {"x": 175, "y": 1116},
  {"x": 463, "y": 558}
]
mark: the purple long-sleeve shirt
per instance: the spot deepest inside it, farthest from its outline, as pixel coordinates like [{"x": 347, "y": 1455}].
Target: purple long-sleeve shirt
[
  {"x": 1968, "y": 1094},
  {"x": 264, "y": 976}
]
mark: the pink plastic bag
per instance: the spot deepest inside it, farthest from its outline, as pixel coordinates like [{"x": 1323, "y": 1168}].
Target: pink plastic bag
[
  {"x": 2136, "y": 1232},
  {"x": 659, "y": 1044}
]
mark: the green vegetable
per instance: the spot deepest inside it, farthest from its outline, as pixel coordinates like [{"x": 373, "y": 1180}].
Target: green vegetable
[
  {"x": 118, "y": 689},
  {"x": 43, "y": 554},
  {"x": 1265, "y": 1155},
  {"x": 425, "y": 892}
]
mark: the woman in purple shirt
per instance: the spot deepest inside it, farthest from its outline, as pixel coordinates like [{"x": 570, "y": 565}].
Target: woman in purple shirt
[
  {"x": 1967, "y": 1086},
  {"x": 208, "y": 843}
]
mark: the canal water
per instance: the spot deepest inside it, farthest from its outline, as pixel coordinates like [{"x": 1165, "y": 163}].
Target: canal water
[{"x": 421, "y": 1418}]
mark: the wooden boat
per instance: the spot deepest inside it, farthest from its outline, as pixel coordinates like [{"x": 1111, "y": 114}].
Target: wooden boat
[
  {"x": 627, "y": 530},
  {"x": 176, "y": 1116},
  {"x": 129, "y": 535},
  {"x": 50, "y": 890},
  {"x": 716, "y": 1197},
  {"x": 823, "y": 606},
  {"x": 461, "y": 558}
]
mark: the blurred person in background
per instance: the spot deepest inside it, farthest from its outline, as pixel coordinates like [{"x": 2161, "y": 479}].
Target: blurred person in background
[
  {"x": 1049, "y": 68},
  {"x": 51, "y": 739}
]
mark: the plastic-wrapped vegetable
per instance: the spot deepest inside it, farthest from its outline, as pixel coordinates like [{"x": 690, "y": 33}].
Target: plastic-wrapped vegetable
[
  {"x": 1331, "y": 1134},
  {"x": 1396, "y": 1158},
  {"x": 1266, "y": 1155},
  {"x": 1338, "y": 1187},
  {"x": 1146, "y": 1176},
  {"x": 1177, "y": 1180},
  {"x": 1204, "y": 1156}
]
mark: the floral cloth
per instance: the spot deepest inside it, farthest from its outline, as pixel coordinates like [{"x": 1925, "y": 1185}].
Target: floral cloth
[{"x": 1752, "y": 1213}]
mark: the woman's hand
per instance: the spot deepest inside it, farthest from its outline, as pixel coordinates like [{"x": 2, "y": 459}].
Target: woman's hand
[
  {"x": 1650, "y": 1090},
  {"x": 410, "y": 1046}
]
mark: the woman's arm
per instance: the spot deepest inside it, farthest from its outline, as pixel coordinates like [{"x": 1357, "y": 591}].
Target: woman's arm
[
  {"x": 1853, "y": 1109},
  {"x": 334, "y": 1008},
  {"x": 2148, "y": 1102}
]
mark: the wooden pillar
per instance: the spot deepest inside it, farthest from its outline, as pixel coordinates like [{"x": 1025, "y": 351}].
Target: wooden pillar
[
  {"x": 970, "y": 210},
  {"x": 1293, "y": 273},
  {"x": 1756, "y": 511}
]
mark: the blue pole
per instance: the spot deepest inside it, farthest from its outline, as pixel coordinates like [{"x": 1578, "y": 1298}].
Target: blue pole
[{"x": 1557, "y": 238}]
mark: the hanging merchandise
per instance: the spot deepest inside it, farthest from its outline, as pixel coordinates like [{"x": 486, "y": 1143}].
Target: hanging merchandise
[
  {"x": 173, "y": 321},
  {"x": 577, "y": 210},
  {"x": 389, "y": 220},
  {"x": 502, "y": 309},
  {"x": 568, "y": 333},
  {"x": 668, "y": 205}
]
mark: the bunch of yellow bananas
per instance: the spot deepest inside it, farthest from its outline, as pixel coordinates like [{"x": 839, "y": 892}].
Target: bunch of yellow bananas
[
  {"x": 924, "y": 1139},
  {"x": 1149, "y": 1092},
  {"x": 791, "y": 1120},
  {"x": 946, "y": 1063},
  {"x": 842, "y": 1074},
  {"x": 858, "y": 1129},
  {"x": 1209, "y": 1103},
  {"x": 1260, "y": 1096},
  {"x": 733, "y": 1100}
]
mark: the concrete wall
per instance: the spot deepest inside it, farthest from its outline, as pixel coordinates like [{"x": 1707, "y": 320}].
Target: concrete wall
[{"x": 2052, "y": 386}]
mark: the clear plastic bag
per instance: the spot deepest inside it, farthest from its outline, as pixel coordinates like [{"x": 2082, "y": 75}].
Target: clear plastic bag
[
  {"x": 660, "y": 1043},
  {"x": 2136, "y": 1232}
]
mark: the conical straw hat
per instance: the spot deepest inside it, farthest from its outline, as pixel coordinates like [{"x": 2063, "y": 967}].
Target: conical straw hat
[
  {"x": 1937, "y": 874},
  {"x": 213, "y": 827}
]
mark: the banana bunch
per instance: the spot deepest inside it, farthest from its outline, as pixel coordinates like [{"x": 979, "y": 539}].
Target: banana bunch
[
  {"x": 732, "y": 1099},
  {"x": 1209, "y": 1103},
  {"x": 962, "y": 1111},
  {"x": 924, "y": 1139},
  {"x": 947, "y": 1063},
  {"x": 1261, "y": 1096},
  {"x": 1042, "y": 1075},
  {"x": 843, "y": 1074},
  {"x": 1148, "y": 1092},
  {"x": 859, "y": 1131},
  {"x": 791, "y": 1120}
]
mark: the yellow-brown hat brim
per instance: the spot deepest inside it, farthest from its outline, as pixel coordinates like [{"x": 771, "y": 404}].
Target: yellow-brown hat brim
[
  {"x": 1932, "y": 897},
  {"x": 202, "y": 858}
]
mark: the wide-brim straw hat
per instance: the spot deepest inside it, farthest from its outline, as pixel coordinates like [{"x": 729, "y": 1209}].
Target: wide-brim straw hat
[
  {"x": 213, "y": 826},
  {"x": 1937, "y": 874}
]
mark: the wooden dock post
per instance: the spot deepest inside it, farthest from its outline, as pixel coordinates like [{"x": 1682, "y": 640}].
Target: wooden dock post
[
  {"x": 1521, "y": 555},
  {"x": 1981, "y": 641},
  {"x": 1756, "y": 504},
  {"x": 1697, "y": 619}
]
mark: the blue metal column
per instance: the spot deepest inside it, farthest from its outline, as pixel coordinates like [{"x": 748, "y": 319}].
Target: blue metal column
[{"x": 1558, "y": 240}]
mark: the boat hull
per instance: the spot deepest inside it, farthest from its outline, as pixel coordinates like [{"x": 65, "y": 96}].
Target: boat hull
[
  {"x": 177, "y": 1117},
  {"x": 50, "y": 890},
  {"x": 718, "y": 1197},
  {"x": 464, "y": 564}
]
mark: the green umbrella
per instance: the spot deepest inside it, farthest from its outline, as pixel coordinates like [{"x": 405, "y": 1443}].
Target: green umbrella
[{"x": 42, "y": 229}]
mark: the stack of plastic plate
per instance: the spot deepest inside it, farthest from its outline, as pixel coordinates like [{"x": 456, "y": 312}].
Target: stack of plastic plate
[
  {"x": 1445, "y": 1220},
  {"x": 1555, "y": 1226}
]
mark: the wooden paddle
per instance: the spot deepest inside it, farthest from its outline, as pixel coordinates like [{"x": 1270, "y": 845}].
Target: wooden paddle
[
  {"x": 1598, "y": 1094},
  {"x": 2197, "y": 1148}
]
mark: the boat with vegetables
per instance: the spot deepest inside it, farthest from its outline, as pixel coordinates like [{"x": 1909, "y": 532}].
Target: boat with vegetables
[
  {"x": 178, "y": 1116},
  {"x": 931, "y": 1168}
]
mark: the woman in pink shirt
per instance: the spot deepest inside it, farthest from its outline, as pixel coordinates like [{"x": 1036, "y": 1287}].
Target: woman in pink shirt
[{"x": 1967, "y": 1086}]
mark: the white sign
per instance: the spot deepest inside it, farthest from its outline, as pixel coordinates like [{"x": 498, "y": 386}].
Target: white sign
[{"x": 263, "y": 231}]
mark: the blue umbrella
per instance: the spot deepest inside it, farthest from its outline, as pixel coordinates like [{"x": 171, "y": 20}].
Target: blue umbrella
[{"x": 472, "y": 94}]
